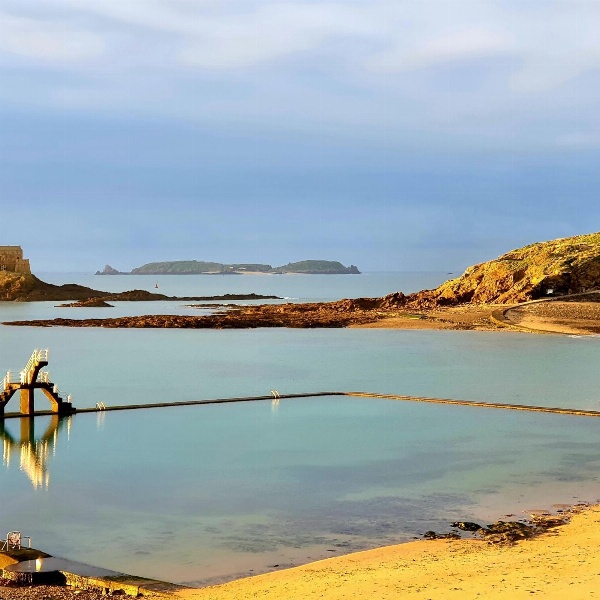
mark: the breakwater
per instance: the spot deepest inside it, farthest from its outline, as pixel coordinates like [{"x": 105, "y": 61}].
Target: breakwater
[{"x": 276, "y": 396}]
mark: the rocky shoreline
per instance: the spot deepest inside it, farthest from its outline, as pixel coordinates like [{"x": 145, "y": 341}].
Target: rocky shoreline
[
  {"x": 395, "y": 311},
  {"x": 10, "y": 591},
  {"x": 341, "y": 313}
]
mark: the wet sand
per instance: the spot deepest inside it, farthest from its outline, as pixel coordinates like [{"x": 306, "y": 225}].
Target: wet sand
[
  {"x": 570, "y": 318},
  {"x": 574, "y": 318},
  {"x": 562, "y": 563},
  {"x": 464, "y": 317}
]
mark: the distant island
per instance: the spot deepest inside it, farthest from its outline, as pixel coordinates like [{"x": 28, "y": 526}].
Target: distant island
[
  {"x": 562, "y": 275},
  {"x": 198, "y": 267}
]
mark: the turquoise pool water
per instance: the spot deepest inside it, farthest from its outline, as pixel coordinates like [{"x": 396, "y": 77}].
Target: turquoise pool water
[{"x": 199, "y": 494}]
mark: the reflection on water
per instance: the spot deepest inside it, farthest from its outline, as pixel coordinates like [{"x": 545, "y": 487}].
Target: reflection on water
[
  {"x": 100, "y": 417},
  {"x": 34, "y": 453}
]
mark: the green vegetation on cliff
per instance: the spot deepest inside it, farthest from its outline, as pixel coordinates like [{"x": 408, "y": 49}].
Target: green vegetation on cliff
[
  {"x": 313, "y": 267},
  {"x": 180, "y": 267}
]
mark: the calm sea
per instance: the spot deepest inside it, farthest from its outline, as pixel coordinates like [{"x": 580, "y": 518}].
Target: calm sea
[{"x": 199, "y": 494}]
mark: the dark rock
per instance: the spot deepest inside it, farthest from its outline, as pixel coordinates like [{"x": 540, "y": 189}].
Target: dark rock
[
  {"x": 548, "y": 521},
  {"x": 90, "y": 302},
  {"x": 466, "y": 526},
  {"x": 108, "y": 270},
  {"x": 432, "y": 535},
  {"x": 507, "y": 532}
]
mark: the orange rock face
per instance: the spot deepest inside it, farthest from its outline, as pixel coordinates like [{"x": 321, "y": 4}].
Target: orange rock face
[{"x": 563, "y": 266}]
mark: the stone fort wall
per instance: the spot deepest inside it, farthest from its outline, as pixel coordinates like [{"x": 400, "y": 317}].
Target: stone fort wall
[{"x": 11, "y": 259}]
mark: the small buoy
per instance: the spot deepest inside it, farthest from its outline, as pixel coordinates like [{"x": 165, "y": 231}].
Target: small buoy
[{"x": 156, "y": 285}]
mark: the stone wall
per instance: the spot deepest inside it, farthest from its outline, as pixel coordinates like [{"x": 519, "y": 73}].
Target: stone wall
[{"x": 11, "y": 259}]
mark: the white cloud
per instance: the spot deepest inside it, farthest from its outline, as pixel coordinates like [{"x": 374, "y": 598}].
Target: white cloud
[
  {"x": 269, "y": 33},
  {"x": 549, "y": 42},
  {"x": 465, "y": 45},
  {"x": 379, "y": 65},
  {"x": 48, "y": 41},
  {"x": 557, "y": 46},
  {"x": 215, "y": 35}
]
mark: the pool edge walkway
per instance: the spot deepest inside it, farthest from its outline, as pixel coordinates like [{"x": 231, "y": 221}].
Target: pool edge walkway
[
  {"x": 276, "y": 397},
  {"x": 29, "y": 566}
]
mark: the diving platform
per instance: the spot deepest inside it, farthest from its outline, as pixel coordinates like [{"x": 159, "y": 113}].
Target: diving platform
[{"x": 32, "y": 378}]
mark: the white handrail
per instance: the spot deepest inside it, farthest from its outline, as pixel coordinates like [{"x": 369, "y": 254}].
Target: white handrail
[
  {"x": 31, "y": 361},
  {"x": 25, "y": 376},
  {"x": 36, "y": 357},
  {"x": 9, "y": 379}
]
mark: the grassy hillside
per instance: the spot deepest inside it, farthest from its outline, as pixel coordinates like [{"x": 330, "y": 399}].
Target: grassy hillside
[
  {"x": 189, "y": 267},
  {"x": 325, "y": 267}
]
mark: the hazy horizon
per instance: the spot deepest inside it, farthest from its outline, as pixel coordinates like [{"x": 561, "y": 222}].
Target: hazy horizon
[{"x": 393, "y": 136}]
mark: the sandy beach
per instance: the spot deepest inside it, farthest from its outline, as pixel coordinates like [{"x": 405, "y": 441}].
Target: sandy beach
[
  {"x": 464, "y": 317},
  {"x": 562, "y": 563}
]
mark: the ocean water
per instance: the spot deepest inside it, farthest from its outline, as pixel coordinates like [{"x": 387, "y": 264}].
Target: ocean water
[
  {"x": 208, "y": 493},
  {"x": 302, "y": 287}
]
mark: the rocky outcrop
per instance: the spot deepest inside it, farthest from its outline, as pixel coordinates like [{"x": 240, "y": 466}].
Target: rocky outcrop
[
  {"x": 541, "y": 270},
  {"x": 14, "y": 286},
  {"x": 24, "y": 287},
  {"x": 108, "y": 270},
  {"x": 241, "y": 317},
  {"x": 89, "y": 303},
  {"x": 28, "y": 288},
  {"x": 563, "y": 266}
]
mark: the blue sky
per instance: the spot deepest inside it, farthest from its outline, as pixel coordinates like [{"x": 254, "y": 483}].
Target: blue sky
[{"x": 390, "y": 134}]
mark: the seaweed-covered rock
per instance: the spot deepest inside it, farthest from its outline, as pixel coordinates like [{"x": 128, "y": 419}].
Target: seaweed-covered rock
[
  {"x": 466, "y": 526},
  {"x": 90, "y": 302},
  {"x": 432, "y": 535},
  {"x": 507, "y": 531}
]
